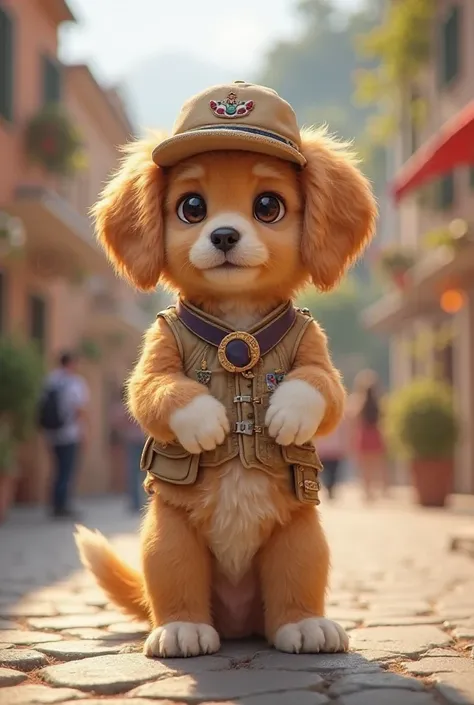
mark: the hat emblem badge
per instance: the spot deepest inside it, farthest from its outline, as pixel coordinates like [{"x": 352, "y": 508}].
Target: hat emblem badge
[{"x": 231, "y": 107}]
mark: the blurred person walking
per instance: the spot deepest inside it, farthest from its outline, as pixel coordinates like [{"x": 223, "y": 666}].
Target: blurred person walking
[
  {"x": 133, "y": 439},
  {"x": 332, "y": 451},
  {"x": 64, "y": 419},
  {"x": 365, "y": 435}
]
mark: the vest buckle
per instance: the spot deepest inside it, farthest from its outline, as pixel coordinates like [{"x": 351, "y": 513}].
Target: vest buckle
[{"x": 247, "y": 428}]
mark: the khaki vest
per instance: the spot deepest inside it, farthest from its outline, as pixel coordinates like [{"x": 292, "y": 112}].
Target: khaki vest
[{"x": 246, "y": 399}]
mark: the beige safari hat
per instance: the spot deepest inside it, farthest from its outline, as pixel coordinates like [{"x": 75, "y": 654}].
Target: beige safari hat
[{"x": 237, "y": 116}]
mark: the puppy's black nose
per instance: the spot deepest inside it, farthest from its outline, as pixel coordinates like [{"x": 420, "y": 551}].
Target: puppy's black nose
[{"x": 225, "y": 239}]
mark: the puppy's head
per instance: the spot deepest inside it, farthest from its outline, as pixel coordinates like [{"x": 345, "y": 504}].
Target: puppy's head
[{"x": 237, "y": 223}]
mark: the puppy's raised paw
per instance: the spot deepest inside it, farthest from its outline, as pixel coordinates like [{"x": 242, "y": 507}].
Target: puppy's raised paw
[
  {"x": 295, "y": 412},
  {"x": 182, "y": 639},
  {"x": 200, "y": 425},
  {"x": 312, "y": 636}
]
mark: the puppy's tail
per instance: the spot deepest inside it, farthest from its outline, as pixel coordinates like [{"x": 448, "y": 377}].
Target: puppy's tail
[{"x": 120, "y": 582}]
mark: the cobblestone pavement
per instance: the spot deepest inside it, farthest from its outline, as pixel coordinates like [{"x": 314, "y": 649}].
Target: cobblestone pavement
[{"x": 407, "y": 600}]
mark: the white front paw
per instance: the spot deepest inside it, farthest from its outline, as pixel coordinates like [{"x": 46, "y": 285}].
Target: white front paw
[
  {"x": 295, "y": 412},
  {"x": 182, "y": 639},
  {"x": 201, "y": 425},
  {"x": 310, "y": 636}
]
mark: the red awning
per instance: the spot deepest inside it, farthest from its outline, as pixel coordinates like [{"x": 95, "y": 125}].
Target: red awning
[{"x": 450, "y": 147}]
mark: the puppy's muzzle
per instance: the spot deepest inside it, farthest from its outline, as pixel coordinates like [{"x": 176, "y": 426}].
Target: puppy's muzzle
[{"x": 224, "y": 239}]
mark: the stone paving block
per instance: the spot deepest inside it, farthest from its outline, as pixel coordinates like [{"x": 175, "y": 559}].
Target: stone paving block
[
  {"x": 101, "y": 619},
  {"x": 243, "y": 650},
  {"x": 27, "y": 609},
  {"x": 130, "y": 628},
  {"x": 239, "y": 683},
  {"x": 351, "y": 615},
  {"x": 404, "y": 609},
  {"x": 24, "y": 638},
  {"x": 108, "y": 675},
  {"x": 427, "y": 666},
  {"x": 8, "y": 676},
  {"x": 75, "y": 608},
  {"x": 24, "y": 659},
  {"x": 402, "y": 621},
  {"x": 387, "y": 697},
  {"x": 442, "y": 652},
  {"x": 464, "y": 633},
  {"x": 88, "y": 633},
  {"x": 125, "y": 701},
  {"x": 462, "y": 694},
  {"x": 453, "y": 614},
  {"x": 295, "y": 697},
  {"x": 37, "y": 695},
  {"x": 369, "y": 681},
  {"x": 72, "y": 650},
  {"x": 312, "y": 662},
  {"x": 402, "y": 640}
]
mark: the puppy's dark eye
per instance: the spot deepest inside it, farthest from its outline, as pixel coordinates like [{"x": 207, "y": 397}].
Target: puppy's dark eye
[
  {"x": 192, "y": 209},
  {"x": 269, "y": 208}
]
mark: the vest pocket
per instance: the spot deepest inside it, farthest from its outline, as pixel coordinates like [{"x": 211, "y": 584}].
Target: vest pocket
[
  {"x": 302, "y": 455},
  {"x": 170, "y": 462}
]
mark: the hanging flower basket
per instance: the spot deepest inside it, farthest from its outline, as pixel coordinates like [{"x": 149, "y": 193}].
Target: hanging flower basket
[
  {"x": 396, "y": 263},
  {"x": 53, "y": 142}
]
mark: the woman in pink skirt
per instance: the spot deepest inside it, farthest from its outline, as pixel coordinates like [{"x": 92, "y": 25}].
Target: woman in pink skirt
[{"x": 366, "y": 439}]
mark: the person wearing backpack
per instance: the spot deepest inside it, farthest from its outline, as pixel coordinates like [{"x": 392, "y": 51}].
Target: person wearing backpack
[{"x": 63, "y": 419}]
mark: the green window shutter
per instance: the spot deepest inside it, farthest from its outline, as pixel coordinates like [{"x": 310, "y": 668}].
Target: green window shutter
[
  {"x": 37, "y": 321},
  {"x": 450, "y": 47},
  {"x": 446, "y": 191},
  {"x": 52, "y": 81},
  {"x": 6, "y": 65},
  {"x": 471, "y": 177}
]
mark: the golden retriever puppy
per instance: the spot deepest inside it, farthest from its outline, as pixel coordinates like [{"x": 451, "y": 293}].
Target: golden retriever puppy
[{"x": 235, "y": 213}]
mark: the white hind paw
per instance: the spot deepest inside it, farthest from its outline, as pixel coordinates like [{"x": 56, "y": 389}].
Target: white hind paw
[
  {"x": 311, "y": 636},
  {"x": 182, "y": 639}
]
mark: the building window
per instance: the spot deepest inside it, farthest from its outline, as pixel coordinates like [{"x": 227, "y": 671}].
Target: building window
[
  {"x": 6, "y": 65},
  {"x": 3, "y": 303},
  {"x": 52, "y": 81},
  {"x": 37, "y": 321},
  {"x": 450, "y": 45},
  {"x": 446, "y": 191}
]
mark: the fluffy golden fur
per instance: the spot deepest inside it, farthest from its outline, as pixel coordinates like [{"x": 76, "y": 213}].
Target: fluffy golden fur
[{"x": 235, "y": 554}]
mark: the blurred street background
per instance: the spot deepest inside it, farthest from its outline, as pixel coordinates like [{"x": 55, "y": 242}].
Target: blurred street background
[{"x": 78, "y": 79}]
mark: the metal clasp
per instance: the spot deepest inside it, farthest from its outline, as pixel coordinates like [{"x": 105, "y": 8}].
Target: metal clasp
[
  {"x": 247, "y": 428},
  {"x": 246, "y": 398}
]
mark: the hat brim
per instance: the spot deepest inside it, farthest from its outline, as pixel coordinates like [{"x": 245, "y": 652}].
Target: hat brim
[{"x": 189, "y": 144}]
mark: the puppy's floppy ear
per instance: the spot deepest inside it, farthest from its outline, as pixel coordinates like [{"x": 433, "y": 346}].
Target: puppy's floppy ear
[
  {"x": 129, "y": 216},
  {"x": 340, "y": 209}
]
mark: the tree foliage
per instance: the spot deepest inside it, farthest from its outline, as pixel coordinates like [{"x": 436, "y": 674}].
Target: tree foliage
[{"x": 338, "y": 313}]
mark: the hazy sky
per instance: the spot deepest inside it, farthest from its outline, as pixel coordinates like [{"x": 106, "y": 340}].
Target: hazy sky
[{"x": 114, "y": 35}]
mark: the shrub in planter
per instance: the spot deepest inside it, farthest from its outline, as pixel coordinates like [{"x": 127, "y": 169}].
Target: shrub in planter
[
  {"x": 53, "y": 141},
  {"x": 421, "y": 425},
  {"x": 20, "y": 383}
]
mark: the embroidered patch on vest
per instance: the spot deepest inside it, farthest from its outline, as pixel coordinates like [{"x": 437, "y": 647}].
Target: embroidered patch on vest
[
  {"x": 204, "y": 375},
  {"x": 231, "y": 107},
  {"x": 273, "y": 379}
]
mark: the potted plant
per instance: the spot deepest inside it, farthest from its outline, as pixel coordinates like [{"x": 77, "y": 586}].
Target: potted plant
[
  {"x": 53, "y": 141},
  {"x": 422, "y": 426},
  {"x": 20, "y": 383},
  {"x": 395, "y": 262}
]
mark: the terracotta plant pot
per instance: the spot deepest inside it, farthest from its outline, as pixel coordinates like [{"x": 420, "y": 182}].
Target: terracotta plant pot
[{"x": 433, "y": 480}]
